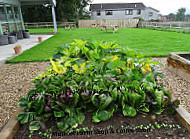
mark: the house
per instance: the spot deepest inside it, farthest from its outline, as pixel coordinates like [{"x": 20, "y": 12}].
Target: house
[
  {"x": 188, "y": 18},
  {"x": 123, "y": 11},
  {"x": 168, "y": 18},
  {"x": 11, "y": 15}
]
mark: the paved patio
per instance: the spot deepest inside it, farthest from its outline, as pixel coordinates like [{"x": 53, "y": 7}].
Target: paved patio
[{"x": 7, "y": 51}]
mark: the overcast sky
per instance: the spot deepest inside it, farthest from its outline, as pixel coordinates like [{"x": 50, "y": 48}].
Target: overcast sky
[{"x": 164, "y": 6}]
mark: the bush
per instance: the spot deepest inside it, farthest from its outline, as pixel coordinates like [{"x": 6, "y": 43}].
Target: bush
[{"x": 103, "y": 78}]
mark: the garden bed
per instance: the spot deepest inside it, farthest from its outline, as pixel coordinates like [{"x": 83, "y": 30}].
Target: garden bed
[
  {"x": 117, "y": 127},
  {"x": 17, "y": 77}
]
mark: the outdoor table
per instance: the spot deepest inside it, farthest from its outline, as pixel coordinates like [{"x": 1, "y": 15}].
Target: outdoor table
[
  {"x": 110, "y": 27},
  {"x": 70, "y": 26},
  {"x": 95, "y": 25}
]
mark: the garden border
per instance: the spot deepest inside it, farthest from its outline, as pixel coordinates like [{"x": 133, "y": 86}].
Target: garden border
[
  {"x": 179, "y": 65},
  {"x": 13, "y": 125}
]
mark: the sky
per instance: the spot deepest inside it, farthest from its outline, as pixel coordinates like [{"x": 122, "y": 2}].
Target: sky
[{"x": 164, "y": 6}]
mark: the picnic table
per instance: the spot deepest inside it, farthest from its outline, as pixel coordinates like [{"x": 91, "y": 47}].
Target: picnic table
[
  {"x": 110, "y": 27},
  {"x": 70, "y": 25},
  {"x": 95, "y": 25}
]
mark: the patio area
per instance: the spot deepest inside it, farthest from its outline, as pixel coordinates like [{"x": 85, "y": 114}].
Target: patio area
[{"x": 7, "y": 51}]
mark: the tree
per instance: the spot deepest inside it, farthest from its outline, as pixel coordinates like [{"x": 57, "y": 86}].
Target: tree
[
  {"x": 171, "y": 17},
  {"x": 180, "y": 16},
  {"x": 37, "y": 13},
  {"x": 72, "y": 10},
  {"x": 66, "y": 10}
]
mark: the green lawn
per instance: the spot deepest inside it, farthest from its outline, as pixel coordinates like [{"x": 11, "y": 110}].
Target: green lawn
[
  {"x": 43, "y": 30},
  {"x": 149, "y": 42}
]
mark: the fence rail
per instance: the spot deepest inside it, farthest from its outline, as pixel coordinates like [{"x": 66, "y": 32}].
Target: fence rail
[
  {"x": 122, "y": 23},
  {"x": 177, "y": 25},
  {"x": 49, "y": 24}
]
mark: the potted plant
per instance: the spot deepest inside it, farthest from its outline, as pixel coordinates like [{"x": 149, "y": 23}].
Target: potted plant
[
  {"x": 54, "y": 32},
  {"x": 17, "y": 49},
  {"x": 40, "y": 39}
]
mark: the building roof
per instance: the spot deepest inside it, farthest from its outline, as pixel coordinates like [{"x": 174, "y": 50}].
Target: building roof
[
  {"x": 37, "y": 2},
  {"x": 153, "y": 9},
  {"x": 110, "y": 6}
]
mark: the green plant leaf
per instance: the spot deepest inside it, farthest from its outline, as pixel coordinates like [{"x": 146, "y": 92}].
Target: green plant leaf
[
  {"x": 134, "y": 99},
  {"x": 157, "y": 110},
  {"x": 23, "y": 102},
  {"x": 76, "y": 96},
  {"x": 40, "y": 107},
  {"x": 114, "y": 94},
  {"x": 104, "y": 102},
  {"x": 129, "y": 111},
  {"x": 95, "y": 100},
  {"x": 26, "y": 117},
  {"x": 59, "y": 113},
  {"x": 81, "y": 117},
  {"x": 34, "y": 125},
  {"x": 104, "y": 115},
  {"x": 62, "y": 125},
  {"x": 95, "y": 117},
  {"x": 159, "y": 97},
  {"x": 144, "y": 108},
  {"x": 44, "y": 117}
]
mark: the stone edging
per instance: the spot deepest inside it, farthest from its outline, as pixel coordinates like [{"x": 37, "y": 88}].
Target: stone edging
[{"x": 13, "y": 125}]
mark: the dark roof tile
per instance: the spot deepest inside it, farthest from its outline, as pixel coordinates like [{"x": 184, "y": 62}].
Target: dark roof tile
[{"x": 100, "y": 6}]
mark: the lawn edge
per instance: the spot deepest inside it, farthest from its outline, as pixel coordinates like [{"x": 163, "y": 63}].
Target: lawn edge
[{"x": 13, "y": 125}]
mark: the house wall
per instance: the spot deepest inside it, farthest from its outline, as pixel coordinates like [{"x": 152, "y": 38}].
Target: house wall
[
  {"x": 147, "y": 17},
  {"x": 117, "y": 14},
  {"x": 15, "y": 2},
  {"x": 120, "y": 14}
]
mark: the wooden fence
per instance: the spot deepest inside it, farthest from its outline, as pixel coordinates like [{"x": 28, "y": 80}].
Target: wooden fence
[
  {"x": 122, "y": 23},
  {"x": 177, "y": 25},
  {"x": 49, "y": 24}
]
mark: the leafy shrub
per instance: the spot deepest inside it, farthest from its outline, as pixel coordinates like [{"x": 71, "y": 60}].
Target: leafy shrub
[{"x": 103, "y": 78}]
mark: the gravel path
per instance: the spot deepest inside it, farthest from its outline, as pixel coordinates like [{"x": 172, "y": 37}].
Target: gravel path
[
  {"x": 176, "y": 84},
  {"x": 15, "y": 83}
]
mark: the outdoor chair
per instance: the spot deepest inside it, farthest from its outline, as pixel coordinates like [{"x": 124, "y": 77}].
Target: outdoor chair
[{"x": 4, "y": 39}]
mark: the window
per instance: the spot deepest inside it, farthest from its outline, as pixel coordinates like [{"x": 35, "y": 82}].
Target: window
[
  {"x": 2, "y": 13},
  {"x": 16, "y": 13},
  {"x": 129, "y": 12},
  {"x": 9, "y": 12},
  {"x": 109, "y": 12},
  {"x": 138, "y": 12},
  {"x": 98, "y": 13},
  {"x": 150, "y": 13}
]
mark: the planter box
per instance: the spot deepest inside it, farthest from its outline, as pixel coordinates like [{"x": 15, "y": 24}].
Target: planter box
[{"x": 179, "y": 63}]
